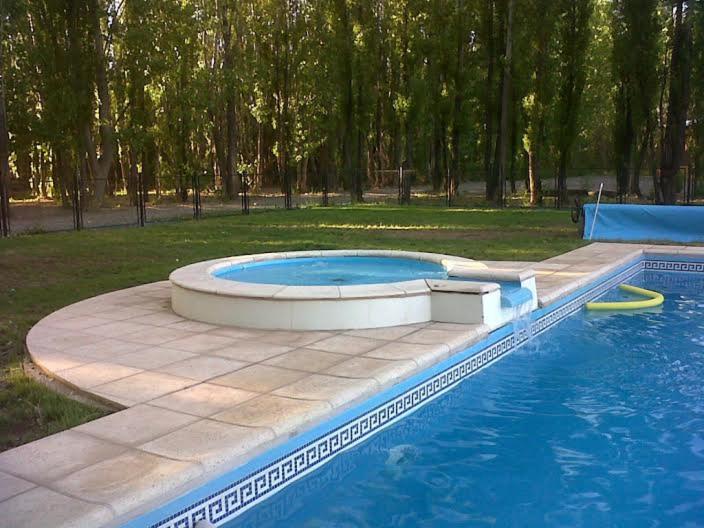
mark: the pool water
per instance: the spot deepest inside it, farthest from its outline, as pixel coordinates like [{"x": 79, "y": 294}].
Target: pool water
[
  {"x": 597, "y": 422},
  {"x": 333, "y": 271}
]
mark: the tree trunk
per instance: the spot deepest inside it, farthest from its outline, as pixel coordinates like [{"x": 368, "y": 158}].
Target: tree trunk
[
  {"x": 4, "y": 155},
  {"x": 488, "y": 100},
  {"x": 678, "y": 102},
  {"x": 229, "y": 175},
  {"x": 634, "y": 180},
  {"x": 505, "y": 108},
  {"x": 459, "y": 99},
  {"x": 100, "y": 165},
  {"x": 534, "y": 182}
]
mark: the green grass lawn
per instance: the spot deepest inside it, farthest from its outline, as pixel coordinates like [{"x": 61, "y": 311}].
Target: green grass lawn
[{"x": 41, "y": 273}]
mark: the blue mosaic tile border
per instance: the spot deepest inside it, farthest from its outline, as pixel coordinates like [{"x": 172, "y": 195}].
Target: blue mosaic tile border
[{"x": 234, "y": 499}]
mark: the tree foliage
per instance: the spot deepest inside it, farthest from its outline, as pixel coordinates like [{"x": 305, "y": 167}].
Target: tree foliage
[{"x": 330, "y": 94}]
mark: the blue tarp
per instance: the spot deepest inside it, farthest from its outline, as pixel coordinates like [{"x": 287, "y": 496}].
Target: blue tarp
[{"x": 673, "y": 223}]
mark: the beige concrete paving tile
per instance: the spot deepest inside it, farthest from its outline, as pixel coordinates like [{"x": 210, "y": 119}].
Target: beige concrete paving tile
[
  {"x": 151, "y": 358},
  {"x": 192, "y": 326},
  {"x": 432, "y": 336},
  {"x": 53, "y": 361},
  {"x": 252, "y": 352},
  {"x": 204, "y": 399},
  {"x": 285, "y": 416},
  {"x": 214, "y": 444},
  {"x": 124, "y": 313},
  {"x": 154, "y": 286},
  {"x": 117, "y": 329},
  {"x": 259, "y": 378},
  {"x": 76, "y": 323},
  {"x": 54, "y": 456},
  {"x": 201, "y": 368},
  {"x": 200, "y": 343},
  {"x": 59, "y": 339},
  {"x": 423, "y": 355},
  {"x": 11, "y": 485},
  {"x": 144, "y": 386},
  {"x": 119, "y": 400},
  {"x": 58, "y": 315},
  {"x": 159, "y": 318},
  {"x": 382, "y": 370},
  {"x": 237, "y": 333},
  {"x": 334, "y": 390},
  {"x": 306, "y": 359},
  {"x": 697, "y": 251},
  {"x": 155, "y": 305},
  {"x": 107, "y": 348},
  {"x": 157, "y": 335},
  {"x": 128, "y": 480},
  {"x": 136, "y": 425},
  {"x": 390, "y": 333},
  {"x": 292, "y": 338},
  {"x": 346, "y": 344},
  {"x": 460, "y": 327},
  {"x": 42, "y": 507},
  {"x": 508, "y": 265},
  {"x": 97, "y": 373}
]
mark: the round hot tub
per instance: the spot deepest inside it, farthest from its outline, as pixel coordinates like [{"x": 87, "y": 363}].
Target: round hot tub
[
  {"x": 333, "y": 271},
  {"x": 311, "y": 290}
]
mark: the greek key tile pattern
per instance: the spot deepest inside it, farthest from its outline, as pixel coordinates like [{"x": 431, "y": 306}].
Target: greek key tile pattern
[
  {"x": 235, "y": 498},
  {"x": 669, "y": 265}
]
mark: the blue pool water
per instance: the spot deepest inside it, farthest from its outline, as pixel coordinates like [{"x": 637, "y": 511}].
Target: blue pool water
[
  {"x": 333, "y": 271},
  {"x": 597, "y": 422}
]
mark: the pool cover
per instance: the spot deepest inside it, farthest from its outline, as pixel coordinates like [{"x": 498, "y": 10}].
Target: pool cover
[{"x": 645, "y": 222}]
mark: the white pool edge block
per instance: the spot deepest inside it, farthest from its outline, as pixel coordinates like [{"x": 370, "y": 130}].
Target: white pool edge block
[{"x": 454, "y": 303}]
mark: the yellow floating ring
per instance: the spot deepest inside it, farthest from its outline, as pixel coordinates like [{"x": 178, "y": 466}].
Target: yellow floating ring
[{"x": 653, "y": 299}]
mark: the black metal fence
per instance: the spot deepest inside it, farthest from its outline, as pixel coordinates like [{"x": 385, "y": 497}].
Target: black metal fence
[{"x": 72, "y": 204}]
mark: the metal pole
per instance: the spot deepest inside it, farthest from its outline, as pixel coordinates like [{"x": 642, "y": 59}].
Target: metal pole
[
  {"x": 196, "y": 196},
  {"x": 596, "y": 210},
  {"x": 245, "y": 192},
  {"x": 140, "y": 199},
  {"x": 400, "y": 185},
  {"x": 689, "y": 187},
  {"x": 77, "y": 213},
  {"x": 325, "y": 189},
  {"x": 287, "y": 189}
]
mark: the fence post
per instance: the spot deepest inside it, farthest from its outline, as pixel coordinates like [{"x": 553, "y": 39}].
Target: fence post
[
  {"x": 195, "y": 183},
  {"x": 689, "y": 186},
  {"x": 287, "y": 189},
  {"x": 448, "y": 186},
  {"x": 77, "y": 208},
  {"x": 4, "y": 208},
  {"x": 141, "y": 208},
  {"x": 325, "y": 188},
  {"x": 244, "y": 183},
  {"x": 400, "y": 185}
]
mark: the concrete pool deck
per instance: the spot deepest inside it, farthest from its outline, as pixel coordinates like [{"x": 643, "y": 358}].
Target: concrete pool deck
[{"x": 200, "y": 399}]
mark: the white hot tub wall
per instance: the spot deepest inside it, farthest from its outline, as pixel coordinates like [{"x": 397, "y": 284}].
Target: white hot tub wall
[{"x": 298, "y": 314}]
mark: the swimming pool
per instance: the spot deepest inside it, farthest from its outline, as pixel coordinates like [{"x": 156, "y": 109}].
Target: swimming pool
[
  {"x": 333, "y": 271},
  {"x": 598, "y": 422}
]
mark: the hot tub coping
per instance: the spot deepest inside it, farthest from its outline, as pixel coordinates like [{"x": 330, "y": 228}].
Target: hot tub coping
[{"x": 200, "y": 277}]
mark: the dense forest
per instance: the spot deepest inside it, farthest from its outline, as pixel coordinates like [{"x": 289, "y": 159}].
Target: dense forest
[{"x": 304, "y": 95}]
